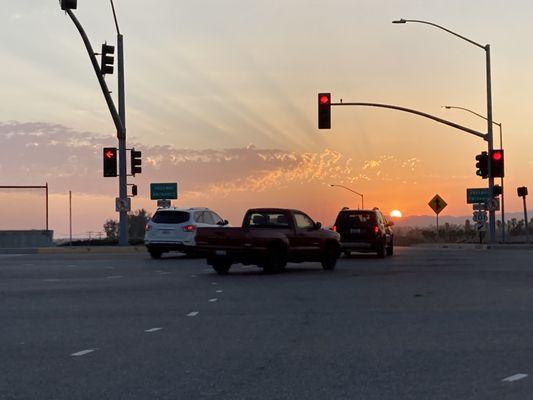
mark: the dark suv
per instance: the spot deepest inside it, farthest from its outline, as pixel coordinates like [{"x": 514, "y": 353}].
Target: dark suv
[{"x": 364, "y": 231}]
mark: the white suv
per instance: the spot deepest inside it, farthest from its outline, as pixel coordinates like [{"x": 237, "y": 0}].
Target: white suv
[{"x": 174, "y": 229}]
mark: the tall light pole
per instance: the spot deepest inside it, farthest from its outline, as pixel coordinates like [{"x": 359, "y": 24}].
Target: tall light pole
[
  {"x": 489, "y": 137},
  {"x": 353, "y": 191},
  {"x": 499, "y": 125}
]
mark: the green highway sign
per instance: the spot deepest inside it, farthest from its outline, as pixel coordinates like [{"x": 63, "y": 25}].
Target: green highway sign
[
  {"x": 163, "y": 191},
  {"x": 475, "y": 196}
]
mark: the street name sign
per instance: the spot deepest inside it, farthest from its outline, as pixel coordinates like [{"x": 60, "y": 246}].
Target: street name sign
[
  {"x": 437, "y": 204},
  {"x": 163, "y": 191},
  {"x": 480, "y": 195}
]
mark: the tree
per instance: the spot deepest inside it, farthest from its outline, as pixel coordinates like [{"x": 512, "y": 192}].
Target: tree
[
  {"x": 111, "y": 229},
  {"x": 137, "y": 224}
]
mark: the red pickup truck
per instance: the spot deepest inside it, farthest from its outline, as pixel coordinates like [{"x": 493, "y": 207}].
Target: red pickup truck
[{"x": 269, "y": 238}]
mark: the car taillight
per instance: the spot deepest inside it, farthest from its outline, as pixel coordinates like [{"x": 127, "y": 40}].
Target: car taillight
[
  {"x": 189, "y": 228},
  {"x": 376, "y": 229},
  {"x": 334, "y": 228}
]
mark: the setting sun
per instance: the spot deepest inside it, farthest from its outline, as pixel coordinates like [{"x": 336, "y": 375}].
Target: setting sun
[{"x": 396, "y": 214}]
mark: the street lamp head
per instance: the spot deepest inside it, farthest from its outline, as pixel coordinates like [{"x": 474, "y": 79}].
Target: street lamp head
[
  {"x": 446, "y": 107},
  {"x": 399, "y": 21}
]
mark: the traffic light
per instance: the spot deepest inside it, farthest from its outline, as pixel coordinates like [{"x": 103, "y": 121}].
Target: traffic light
[
  {"x": 69, "y": 4},
  {"x": 134, "y": 190},
  {"x": 324, "y": 111},
  {"x": 496, "y": 163},
  {"x": 110, "y": 162},
  {"x": 497, "y": 191},
  {"x": 106, "y": 65},
  {"x": 136, "y": 162},
  {"x": 482, "y": 165}
]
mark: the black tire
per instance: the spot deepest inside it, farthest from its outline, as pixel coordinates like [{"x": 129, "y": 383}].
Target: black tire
[
  {"x": 155, "y": 254},
  {"x": 330, "y": 256},
  {"x": 275, "y": 260},
  {"x": 222, "y": 267},
  {"x": 382, "y": 250},
  {"x": 390, "y": 249}
]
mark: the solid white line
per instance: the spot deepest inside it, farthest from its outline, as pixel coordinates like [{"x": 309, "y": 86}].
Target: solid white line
[
  {"x": 83, "y": 352},
  {"x": 213, "y": 300},
  {"x": 515, "y": 377},
  {"x": 193, "y": 314},
  {"x": 219, "y": 291},
  {"x": 153, "y": 330}
]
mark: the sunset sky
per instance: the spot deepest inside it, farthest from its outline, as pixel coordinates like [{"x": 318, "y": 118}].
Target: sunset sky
[{"x": 221, "y": 97}]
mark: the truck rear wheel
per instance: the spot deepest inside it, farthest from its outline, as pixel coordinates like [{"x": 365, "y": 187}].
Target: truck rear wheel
[
  {"x": 330, "y": 256},
  {"x": 276, "y": 259},
  {"x": 222, "y": 267}
]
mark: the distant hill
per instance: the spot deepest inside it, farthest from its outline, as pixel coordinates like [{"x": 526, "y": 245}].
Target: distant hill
[{"x": 428, "y": 220}]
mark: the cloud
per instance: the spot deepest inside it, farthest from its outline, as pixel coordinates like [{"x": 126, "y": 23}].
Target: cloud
[{"x": 34, "y": 153}]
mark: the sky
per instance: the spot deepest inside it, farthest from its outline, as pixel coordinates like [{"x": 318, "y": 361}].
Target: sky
[{"x": 221, "y": 98}]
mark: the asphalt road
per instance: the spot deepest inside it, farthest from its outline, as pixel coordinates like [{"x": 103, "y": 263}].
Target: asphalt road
[{"x": 424, "y": 324}]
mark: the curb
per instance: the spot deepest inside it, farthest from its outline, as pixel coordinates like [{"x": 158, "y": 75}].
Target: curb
[
  {"x": 76, "y": 250},
  {"x": 472, "y": 246}
]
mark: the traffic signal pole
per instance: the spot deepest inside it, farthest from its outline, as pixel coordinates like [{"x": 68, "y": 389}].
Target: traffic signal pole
[
  {"x": 490, "y": 142},
  {"x": 122, "y": 168}
]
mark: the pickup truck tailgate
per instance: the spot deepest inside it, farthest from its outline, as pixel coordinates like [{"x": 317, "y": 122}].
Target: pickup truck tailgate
[{"x": 220, "y": 238}]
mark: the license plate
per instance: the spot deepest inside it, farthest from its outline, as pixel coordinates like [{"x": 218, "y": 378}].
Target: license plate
[
  {"x": 166, "y": 232},
  {"x": 220, "y": 252},
  {"x": 353, "y": 230}
]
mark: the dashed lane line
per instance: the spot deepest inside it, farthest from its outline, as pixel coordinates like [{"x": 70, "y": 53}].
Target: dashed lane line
[
  {"x": 213, "y": 300},
  {"x": 153, "y": 330},
  {"x": 219, "y": 291},
  {"x": 83, "y": 352},
  {"x": 193, "y": 314},
  {"x": 514, "y": 378}
]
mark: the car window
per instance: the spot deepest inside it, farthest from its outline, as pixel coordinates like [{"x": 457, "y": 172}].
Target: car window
[
  {"x": 208, "y": 218},
  {"x": 216, "y": 217},
  {"x": 303, "y": 221},
  {"x": 170, "y": 217},
  {"x": 199, "y": 217},
  {"x": 267, "y": 220},
  {"x": 356, "y": 219}
]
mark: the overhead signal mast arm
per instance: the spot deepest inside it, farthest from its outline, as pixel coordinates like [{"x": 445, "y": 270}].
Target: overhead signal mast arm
[{"x": 422, "y": 114}]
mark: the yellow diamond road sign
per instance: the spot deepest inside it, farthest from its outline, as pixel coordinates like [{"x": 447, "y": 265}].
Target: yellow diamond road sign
[{"x": 438, "y": 204}]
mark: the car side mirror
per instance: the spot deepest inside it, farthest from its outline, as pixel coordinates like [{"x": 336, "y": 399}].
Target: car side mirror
[
  {"x": 223, "y": 223},
  {"x": 318, "y": 225}
]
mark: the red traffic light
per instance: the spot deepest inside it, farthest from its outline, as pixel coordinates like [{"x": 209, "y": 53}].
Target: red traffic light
[
  {"x": 109, "y": 154},
  {"x": 497, "y": 155},
  {"x": 324, "y": 99}
]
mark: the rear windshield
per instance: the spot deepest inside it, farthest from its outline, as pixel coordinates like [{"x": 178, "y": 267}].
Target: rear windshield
[
  {"x": 266, "y": 220},
  {"x": 170, "y": 217},
  {"x": 353, "y": 219}
]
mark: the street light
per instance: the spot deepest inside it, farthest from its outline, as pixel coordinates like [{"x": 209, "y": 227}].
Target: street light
[
  {"x": 489, "y": 137},
  {"x": 501, "y": 147},
  {"x": 353, "y": 191}
]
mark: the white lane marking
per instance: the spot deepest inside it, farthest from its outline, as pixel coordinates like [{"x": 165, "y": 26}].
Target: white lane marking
[
  {"x": 83, "y": 352},
  {"x": 193, "y": 314},
  {"x": 515, "y": 377},
  {"x": 52, "y": 280},
  {"x": 214, "y": 283},
  {"x": 213, "y": 300},
  {"x": 153, "y": 330},
  {"x": 219, "y": 291},
  {"x": 114, "y": 277},
  {"x": 194, "y": 276}
]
